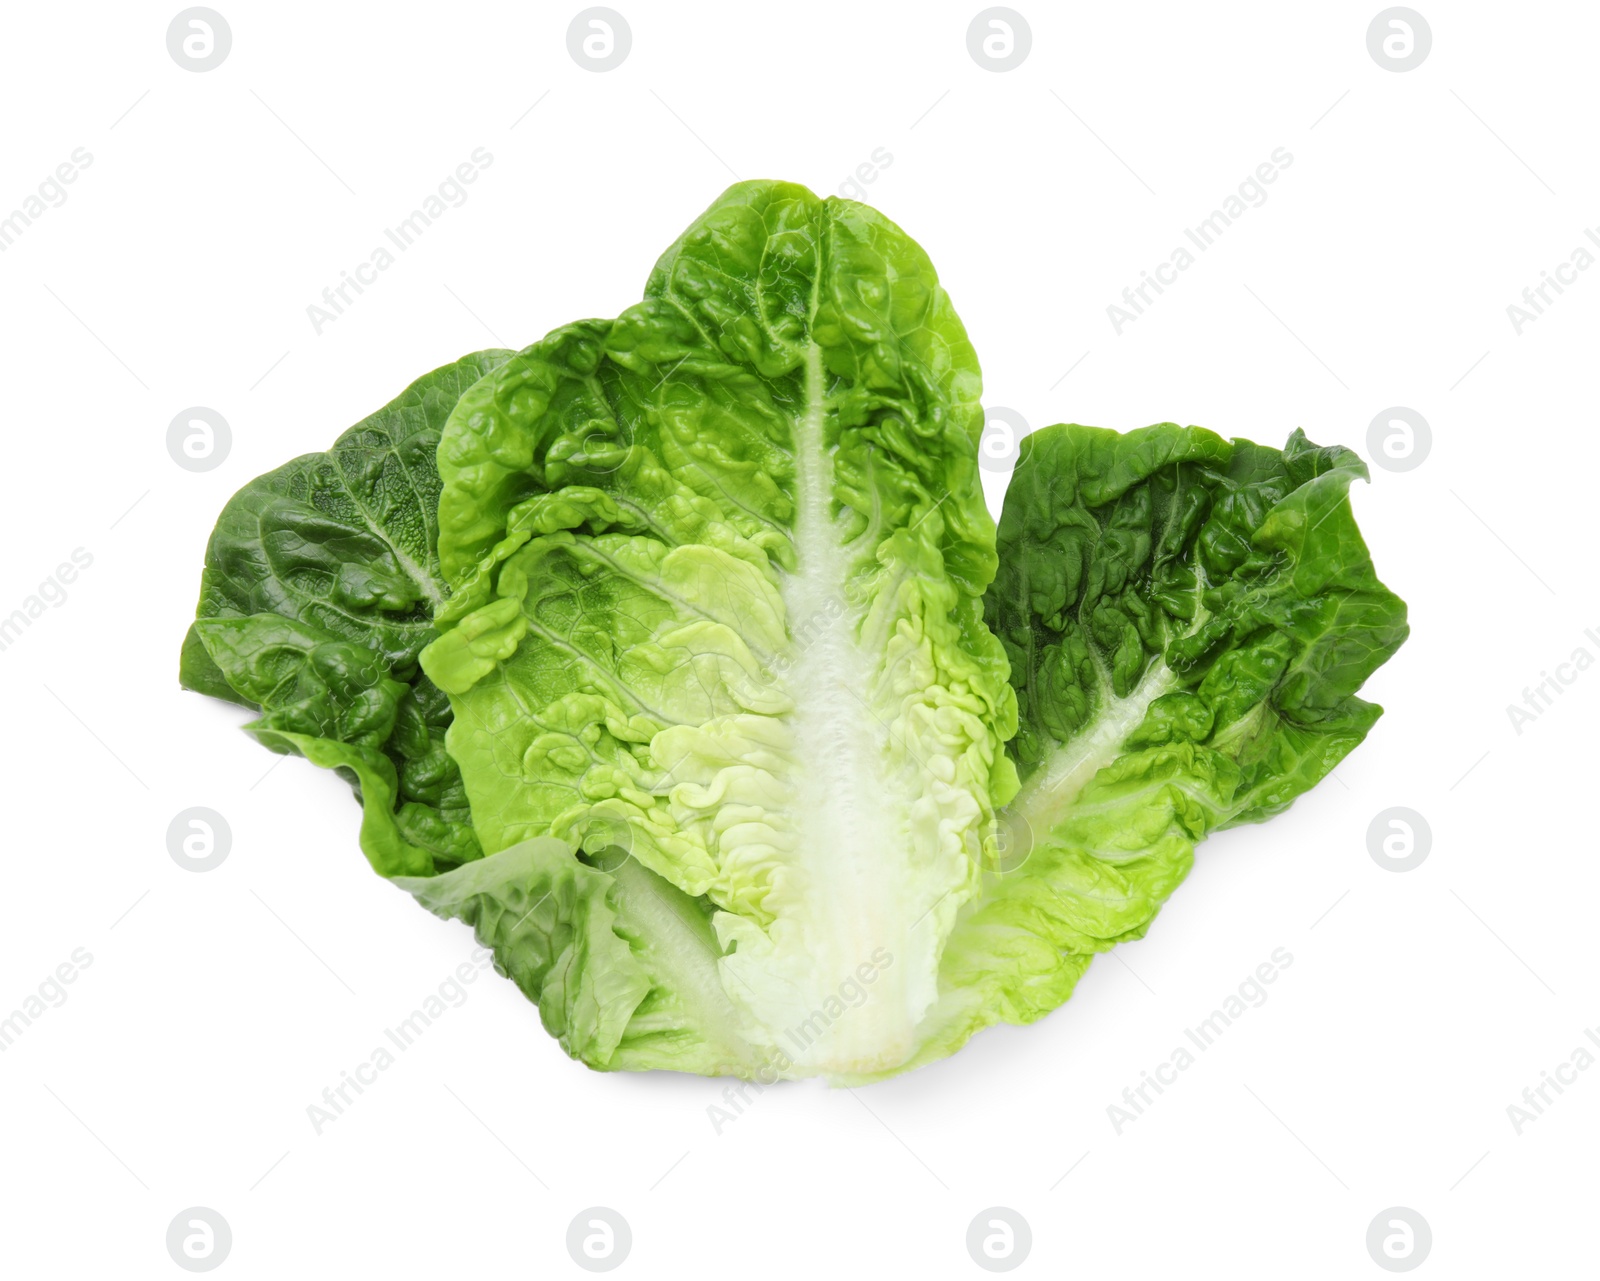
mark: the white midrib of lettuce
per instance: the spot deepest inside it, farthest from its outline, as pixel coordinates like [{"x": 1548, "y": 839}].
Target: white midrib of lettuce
[
  {"x": 676, "y": 953},
  {"x": 1052, "y": 788},
  {"x": 850, "y": 847},
  {"x": 1047, "y": 797},
  {"x": 426, "y": 583},
  {"x": 1050, "y": 791}
]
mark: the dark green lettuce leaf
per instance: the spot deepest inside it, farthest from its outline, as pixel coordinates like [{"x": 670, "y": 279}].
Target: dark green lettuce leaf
[
  {"x": 318, "y": 593},
  {"x": 1188, "y": 620}
]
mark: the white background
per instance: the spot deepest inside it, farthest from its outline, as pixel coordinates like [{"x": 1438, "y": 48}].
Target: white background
[{"x": 218, "y": 1006}]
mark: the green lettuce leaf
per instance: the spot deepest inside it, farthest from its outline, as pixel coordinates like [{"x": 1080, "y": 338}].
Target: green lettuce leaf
[
  {"x": 716, "y": 571},
  {"x": 1188, "y": 621},
  {"x": 618, "y": 990},
  {"x": 320, "y": 583},
  {"x": 675, "y": 656}
]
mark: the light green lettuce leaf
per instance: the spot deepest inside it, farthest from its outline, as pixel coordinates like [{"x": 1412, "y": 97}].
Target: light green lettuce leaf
[
  {"x": 619, "y": 991},
  {"x": 547, "y": 918},
  {"x": 716, "y": 572}
]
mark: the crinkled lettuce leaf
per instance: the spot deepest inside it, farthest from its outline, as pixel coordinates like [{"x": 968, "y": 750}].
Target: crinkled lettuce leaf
[
  {"x": 1188, "y": 621},
  {"x": 716, "y": 573},
  {"x": 320, "y": 583}
]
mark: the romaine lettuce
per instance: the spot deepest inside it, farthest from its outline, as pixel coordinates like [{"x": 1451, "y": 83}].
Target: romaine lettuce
[{"x": 728, "y": 774}]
